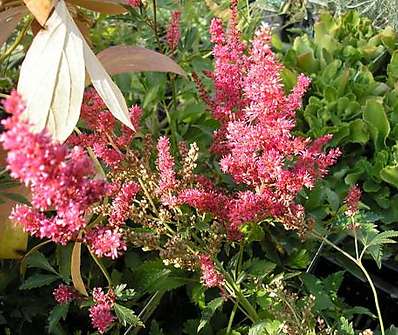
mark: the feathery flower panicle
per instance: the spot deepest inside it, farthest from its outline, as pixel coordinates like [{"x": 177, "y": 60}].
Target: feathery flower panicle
[
  {"x": 60, "y": 179},
  {"x": 64, "y": 294},
  {"x": 101, "y": 313},
  {"x": 173, "y": 31},
  {"x": 106, "y": 242},
  {"x": 210, "y": 276},
  {"x": 352, "y": 200},
  {"x": 121, "y": 204},
  {"x": 165, "y": 165},
  {"x": 255, "y": 139},
  {"x": 101, "y": 317},
  {"x": 106, "y": 153}
]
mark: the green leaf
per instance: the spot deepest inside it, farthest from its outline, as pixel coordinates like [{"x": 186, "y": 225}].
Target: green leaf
[
  {"x": 38, "y": 260},
  {"x": 376, "y": 118},
  {"x": 390, "y": 175},
  {"x": 265, "y": 328},
  {"x": 260, "y": 267},
  {"x": 385, "y": 237},
  {"x": 64, "y": 256},
  {"x": 392, "y": 68},
  {"x": 58, "y": 312},
  {"x": 209, "y": 311},
  {"x": 359, "y": 132},
  {"x": 38, "y": 280},
  {"x": 345, "y": 327},
  {"x": 127, "y": 316},
  {"x": 315, "y": 286}
]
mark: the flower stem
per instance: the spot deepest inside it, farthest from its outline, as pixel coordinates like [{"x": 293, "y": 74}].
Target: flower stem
[
  {"x": 375, "y": 296},
  {"x": 241, "y": 299},
  {"x": 358, "y": 262},
  {"x": 102, "y": 268}
]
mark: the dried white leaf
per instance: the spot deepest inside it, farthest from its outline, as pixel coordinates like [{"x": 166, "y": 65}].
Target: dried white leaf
[
  {"x": 39, "y": 71},
  {"x": 52, "y": 77}
]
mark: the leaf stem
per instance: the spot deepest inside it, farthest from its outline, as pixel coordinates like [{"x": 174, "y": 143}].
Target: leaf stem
[{"x": 102, "y": 268}]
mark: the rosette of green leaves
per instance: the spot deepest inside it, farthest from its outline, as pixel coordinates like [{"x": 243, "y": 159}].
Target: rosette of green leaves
[{"x": 354, "y": 97}]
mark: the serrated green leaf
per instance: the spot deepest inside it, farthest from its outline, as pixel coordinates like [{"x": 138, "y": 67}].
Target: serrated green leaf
[
  {"x": 38, "y": 280},
  {"x": 58, "y": 312},
  {"x": 127, "y": 316},
  {"x": 64, "y": 256},
  {"x": 265, "y": 328},
  {"x": 385, "y": 237},
  {"x": 209, "y": 311},
  {"x": 38, "y": 260},
  {"x": 261, "y": 267},
  {"x": 345, "y": 327}
]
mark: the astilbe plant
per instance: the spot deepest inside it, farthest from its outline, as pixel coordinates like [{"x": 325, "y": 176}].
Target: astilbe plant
[{"x": 111, "y": 186}]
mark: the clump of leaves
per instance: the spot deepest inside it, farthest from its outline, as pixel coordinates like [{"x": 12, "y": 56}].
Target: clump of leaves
[{"x": 353, "y": 67}]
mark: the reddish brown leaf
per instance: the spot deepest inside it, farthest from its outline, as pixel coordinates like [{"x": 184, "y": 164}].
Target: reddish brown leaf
[
  {"x": 9, "y": 20},
  {"x": 103, "y": 6},
  {"x": 121, "y": 59}
]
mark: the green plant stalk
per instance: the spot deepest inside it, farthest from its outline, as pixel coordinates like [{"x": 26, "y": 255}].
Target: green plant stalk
[
  {"x": 102, "y": 268},
  {"x": 375, "y": 296},
  {"x": 358, "y": 262},
  {"x": 241, "y": 299},
  {"x": 231, "y": 318},
  {"x": 17, "y": 41},
  {"x": 155, "y": 25}
]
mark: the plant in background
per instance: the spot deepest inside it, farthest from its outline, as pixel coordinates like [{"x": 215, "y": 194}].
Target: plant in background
[
  {"x": 381, "y": 12},
  {"x": 352, "y": 97}
]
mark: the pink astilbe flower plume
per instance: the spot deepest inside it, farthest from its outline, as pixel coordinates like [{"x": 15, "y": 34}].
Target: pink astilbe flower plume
[
  {"x": 106, "y": 145},
  {"x": 173, "y": 31},
  {"x": 60, "y": 179},
  {"x": 352, "y": 200},
  {"x": 101, "y": 312},
  {"x": 165, "y": 165},
  {"x": 106, "y": 242},
  {"x": 134, "y": 3},
  {"x": 64, "y": 294},
  {"x": 255, "y": 139},
  {"x": 121, "y": 204},
  {"x": 210, "y": 276}
]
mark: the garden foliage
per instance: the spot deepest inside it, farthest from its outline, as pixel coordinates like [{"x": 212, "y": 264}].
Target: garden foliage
[{"x": 205, "y": 211}]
